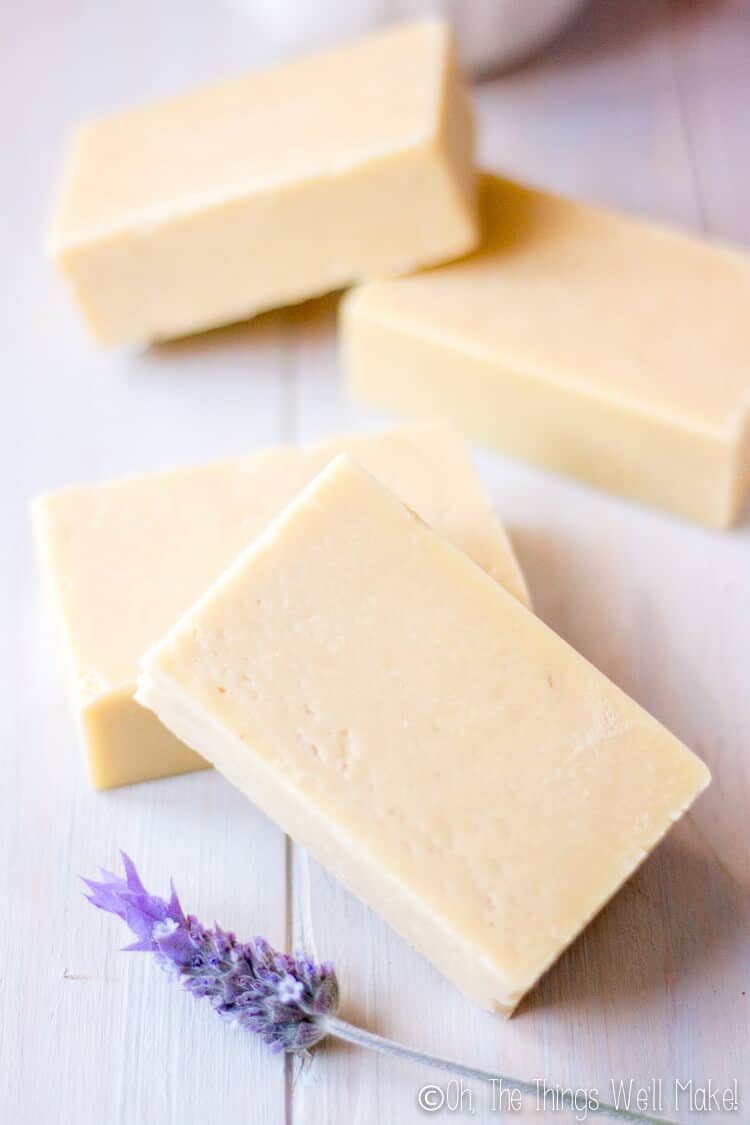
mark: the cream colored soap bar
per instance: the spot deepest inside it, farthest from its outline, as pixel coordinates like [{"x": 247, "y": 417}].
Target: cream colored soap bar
[
  {"x": 128, "y": 557},
  {"x": 270, "y": 188},
  {"x": 444, "y": 753},
  {"x": 603, "y": 347}
]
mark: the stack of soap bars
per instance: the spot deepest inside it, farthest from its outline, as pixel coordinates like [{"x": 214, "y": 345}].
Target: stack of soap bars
[
  {"x": 345, "y": 633},
  {"x": 344, "y": 630}
]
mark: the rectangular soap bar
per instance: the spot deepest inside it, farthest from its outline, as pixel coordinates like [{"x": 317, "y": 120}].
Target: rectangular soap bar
[
  {"x": 270, "y": 188},
  {"x": 441, "y": 750},
  {"x": 611, "y": 349},
  {"x": 126, "y": 558}
]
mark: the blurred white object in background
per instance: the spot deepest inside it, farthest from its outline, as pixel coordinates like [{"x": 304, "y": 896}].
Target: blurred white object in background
[{"x": 490, "y": 33}]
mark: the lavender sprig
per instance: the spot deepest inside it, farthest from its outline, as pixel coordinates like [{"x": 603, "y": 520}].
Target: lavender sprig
[
  {"x": 281, "y": 998},
  {"x": 291, "y": 1002}
]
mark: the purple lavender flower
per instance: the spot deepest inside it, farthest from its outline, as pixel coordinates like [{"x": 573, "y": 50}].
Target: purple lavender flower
[{"x": 286, "y": 1000}]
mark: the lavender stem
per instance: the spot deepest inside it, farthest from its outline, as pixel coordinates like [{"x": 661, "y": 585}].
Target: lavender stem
[{"x": 340, "y": 1029}]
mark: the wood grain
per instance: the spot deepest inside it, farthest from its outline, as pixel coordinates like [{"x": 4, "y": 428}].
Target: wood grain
[{"x": 639, "y": 105}]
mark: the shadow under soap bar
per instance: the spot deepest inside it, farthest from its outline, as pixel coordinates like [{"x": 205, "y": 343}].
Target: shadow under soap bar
[
  {"x": 440, "y": 749},
  {"x": 271, "y": 188},
  {"x": 611, "y": 349},
  {"x": 126, "y": 558}
]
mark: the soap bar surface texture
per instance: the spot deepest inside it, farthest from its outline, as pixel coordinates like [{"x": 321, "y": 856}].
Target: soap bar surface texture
[
  {"x": 442, "y": 751},
  {"x": 271, "y": 188},
  {"x": 611, "y": 349},
  {"x": 127, "y": 557}
]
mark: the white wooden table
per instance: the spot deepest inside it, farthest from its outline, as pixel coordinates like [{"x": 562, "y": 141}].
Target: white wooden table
[{"x": 644, "y": 104}]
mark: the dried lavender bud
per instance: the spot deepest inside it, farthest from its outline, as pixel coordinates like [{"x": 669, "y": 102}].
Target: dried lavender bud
[{"x": 284, "y": 999}]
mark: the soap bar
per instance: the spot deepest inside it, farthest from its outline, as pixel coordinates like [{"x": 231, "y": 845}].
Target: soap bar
[
  {"x": 408, "y": 721},
  {"x": 126, "y": 558},
  {"x": 607, "y": 348},
  {"x": 270, "y": 188}
]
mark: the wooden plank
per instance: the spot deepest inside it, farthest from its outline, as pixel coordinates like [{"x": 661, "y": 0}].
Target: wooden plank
[
  {"x": 88, "y": 1034},
  {"x": 386, "y": 985}
]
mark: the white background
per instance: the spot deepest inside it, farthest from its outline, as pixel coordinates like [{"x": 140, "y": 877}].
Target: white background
[{"x": 644, "y": 104}]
